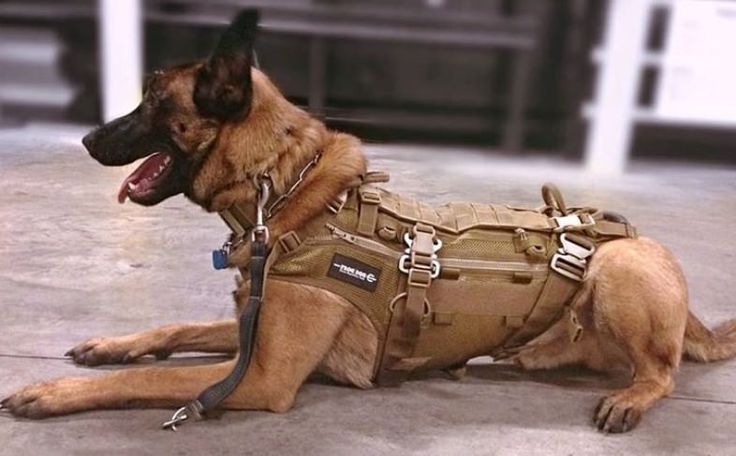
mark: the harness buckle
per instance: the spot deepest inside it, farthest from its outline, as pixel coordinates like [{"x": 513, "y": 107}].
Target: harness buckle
[
  {"x": 405, "y": 265},
  {"x": 370, "y": 196},
  {"x": 569, "y": 266},
  {"x": 573, "y": 221},
  {"x": 577, "y": 246},
  {"x": 336, "y": 205},
  {"x": 409, "y": 241},
  {"x": 410, "y": 259},
  {"x": 571, "y": 259}
]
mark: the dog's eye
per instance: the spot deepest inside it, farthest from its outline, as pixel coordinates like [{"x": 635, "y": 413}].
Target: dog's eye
[{"x": 181, "y": 127}]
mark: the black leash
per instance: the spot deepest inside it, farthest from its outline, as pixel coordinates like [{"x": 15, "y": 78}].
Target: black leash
[{"x": 248, "y": 323}]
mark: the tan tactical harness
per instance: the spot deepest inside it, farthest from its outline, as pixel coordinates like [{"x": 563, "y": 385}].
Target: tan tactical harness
[{"x": 443, "y": 285}]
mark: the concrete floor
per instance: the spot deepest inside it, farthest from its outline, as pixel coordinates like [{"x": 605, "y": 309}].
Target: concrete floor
[{"x": 74, "y": 264}]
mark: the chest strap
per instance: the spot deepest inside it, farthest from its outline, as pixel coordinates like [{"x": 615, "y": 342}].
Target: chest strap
[{"x": 409, "y": 308}]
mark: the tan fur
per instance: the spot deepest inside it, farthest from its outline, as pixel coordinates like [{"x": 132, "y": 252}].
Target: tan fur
[
  {"x": 633, "y": 305},
  {"x": 705, "y": 345},
  {"x": 215, "y": 337}
]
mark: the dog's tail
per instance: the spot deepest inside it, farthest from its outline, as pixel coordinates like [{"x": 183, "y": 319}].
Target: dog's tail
[{"x": 704, "y": 345}]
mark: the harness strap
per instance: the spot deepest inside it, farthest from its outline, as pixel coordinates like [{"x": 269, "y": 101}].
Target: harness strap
[
  {"x": 608, "y": 228},
  {"x": 409, "y": 308},
  {"x": 370, "y": 200},
  {"x": 237, "y": 220},
  {"x": 376, "y": 177},
  {"x": 557, "y": 289},
  {"x": 568, "y": 268}
]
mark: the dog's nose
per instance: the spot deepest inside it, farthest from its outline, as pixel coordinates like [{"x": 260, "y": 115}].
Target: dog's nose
[{"x": 89, "y": 141}]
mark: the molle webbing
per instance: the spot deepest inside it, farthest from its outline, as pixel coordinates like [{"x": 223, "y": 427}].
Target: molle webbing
[{"x": 494, "y": 288}]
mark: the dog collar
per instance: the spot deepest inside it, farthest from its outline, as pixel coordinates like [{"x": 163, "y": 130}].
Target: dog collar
[{"x": 280, "y": 200}]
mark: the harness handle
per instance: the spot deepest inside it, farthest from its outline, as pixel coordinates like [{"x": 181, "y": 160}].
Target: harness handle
[{"x": 552, "y": 197}]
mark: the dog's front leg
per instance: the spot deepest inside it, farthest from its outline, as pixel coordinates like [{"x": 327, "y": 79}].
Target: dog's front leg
[
  {"x": 297, "y": 327},
  {"x": 210, "y": 337},
  {"x": 144, "y": 387}
]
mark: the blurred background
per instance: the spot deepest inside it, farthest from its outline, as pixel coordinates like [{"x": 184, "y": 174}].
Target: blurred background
[{"x": 589, "y": 81}]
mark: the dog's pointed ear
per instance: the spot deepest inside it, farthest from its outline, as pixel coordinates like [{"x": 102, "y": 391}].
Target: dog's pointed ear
[{"x": 224, "y": 86}]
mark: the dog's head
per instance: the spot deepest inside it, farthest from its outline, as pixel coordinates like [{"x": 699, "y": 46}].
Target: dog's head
[{"x": 184, "y": 112}]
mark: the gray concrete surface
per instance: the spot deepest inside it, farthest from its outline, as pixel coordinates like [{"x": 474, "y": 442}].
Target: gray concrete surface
[{"x": 74, "y": 264}]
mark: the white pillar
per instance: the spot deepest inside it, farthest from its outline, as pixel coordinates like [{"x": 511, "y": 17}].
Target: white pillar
[
  {"x": 121, "y": 56},
  {"x": 612, "y": 118}
]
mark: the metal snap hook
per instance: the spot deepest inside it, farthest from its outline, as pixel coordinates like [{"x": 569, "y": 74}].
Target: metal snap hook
[
  {"x": 260, "y": 230},
  {"x": 177, "y": 418}
]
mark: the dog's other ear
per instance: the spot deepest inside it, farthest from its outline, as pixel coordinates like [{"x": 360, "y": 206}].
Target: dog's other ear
[{"x": 224, "y": 88}]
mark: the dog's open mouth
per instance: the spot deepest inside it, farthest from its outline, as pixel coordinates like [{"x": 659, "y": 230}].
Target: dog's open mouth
[{"x": 144, "y": 181}]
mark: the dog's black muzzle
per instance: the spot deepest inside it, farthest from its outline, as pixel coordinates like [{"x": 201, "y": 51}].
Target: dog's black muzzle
[{"x": 119, "y": 142}]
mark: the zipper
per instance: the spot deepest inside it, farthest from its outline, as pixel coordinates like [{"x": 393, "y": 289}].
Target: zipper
[
  {"x": 489, "y": 265},
  {"x": 366, "y": 243}
]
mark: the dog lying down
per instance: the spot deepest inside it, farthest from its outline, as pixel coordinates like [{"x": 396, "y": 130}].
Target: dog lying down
[{"x": 369, "y": 286}]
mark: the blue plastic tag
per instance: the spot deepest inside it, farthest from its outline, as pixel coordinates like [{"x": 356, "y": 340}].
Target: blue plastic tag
[{"x": 219, "y": 259}]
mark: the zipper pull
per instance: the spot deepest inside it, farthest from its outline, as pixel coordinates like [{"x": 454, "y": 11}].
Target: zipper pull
[{"x": 340, "y": 234}]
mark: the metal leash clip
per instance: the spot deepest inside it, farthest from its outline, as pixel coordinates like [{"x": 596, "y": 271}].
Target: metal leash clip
[
  {"x": 260, "y": 230},
  {"x": 179, "y": 417},
  {"x": 193, "y": 410}
]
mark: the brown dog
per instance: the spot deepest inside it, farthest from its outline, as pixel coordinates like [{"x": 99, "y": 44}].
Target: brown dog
[{"x": 207, "y": 129}]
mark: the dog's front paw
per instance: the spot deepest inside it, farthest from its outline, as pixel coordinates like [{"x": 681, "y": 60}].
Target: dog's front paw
[
  {"x": 42, "y": 400},
  {"x": 617, "y": 414},
  {"x": 112, "y": 350}
]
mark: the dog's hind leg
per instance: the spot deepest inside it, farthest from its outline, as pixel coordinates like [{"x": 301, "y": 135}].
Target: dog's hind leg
[
  {"x": 296, "y": 329},
  {"x": 559, "y": 345},
  {"x": 553, "y": 349},
  {"x": 211, "y": 337},
  {"x": 640, "y": 308}
]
